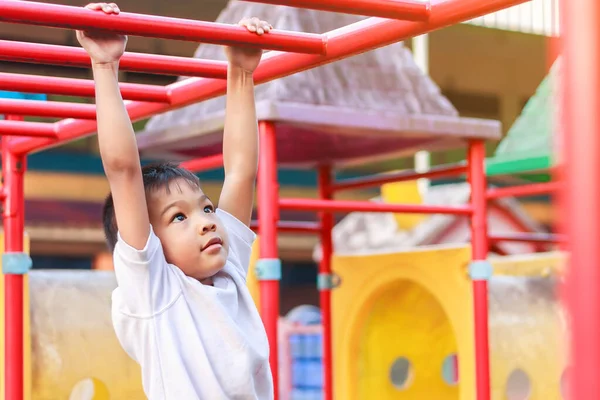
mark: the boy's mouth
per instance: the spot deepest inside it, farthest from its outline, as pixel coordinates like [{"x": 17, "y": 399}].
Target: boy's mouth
[{"x": 213, "y": 243}]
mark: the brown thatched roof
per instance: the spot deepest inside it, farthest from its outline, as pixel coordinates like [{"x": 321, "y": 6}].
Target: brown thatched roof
[{"x": 380, "y": 100}]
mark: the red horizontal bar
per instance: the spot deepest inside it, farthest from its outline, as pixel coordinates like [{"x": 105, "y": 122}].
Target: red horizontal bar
[
  {"x": 69, "y": 17},
  {"x": 21, "y": 128},
  {"x": 354, "y": 39},
  {"x": 368, "y": 206},
  {"x": 292, "y": 226},
  {"x": 410, "y": 10},
  {"x": 76, "y": 57},
  {"x": 533, "y": 189},
  {"x": 528, "y": 237},
  {"x": 204, "y": 163},
  {"x": 77, "y": 87},
  {"x": 402, "y": 176},
  {"x": 51, "y": 109}
]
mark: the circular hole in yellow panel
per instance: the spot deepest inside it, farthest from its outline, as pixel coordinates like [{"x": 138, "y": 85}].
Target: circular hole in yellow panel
[
  {"x": 450, "y": 369},
  {"x": 518, "y": 386},
  {"x": 89, "y": 389},
  {"x": 565, "y": 383},
  {"x": 401, "y": 373}
]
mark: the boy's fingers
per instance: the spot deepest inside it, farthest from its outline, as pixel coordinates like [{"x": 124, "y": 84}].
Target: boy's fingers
[
  {"x": 115, "y": 7},
  {"x": 255, "y": 25},
  {"x": 94, "y": 6},
  {"x": 266, "y": 26}
]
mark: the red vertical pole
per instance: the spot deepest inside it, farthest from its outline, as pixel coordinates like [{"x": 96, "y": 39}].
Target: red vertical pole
[
  {"x": 13, "y": 167},
  {"x": 268, "y": 268},
  {"x": 581, "y": 191},
  {"x": 325, "y": 280},
  {"x": 480, "y": 268}
]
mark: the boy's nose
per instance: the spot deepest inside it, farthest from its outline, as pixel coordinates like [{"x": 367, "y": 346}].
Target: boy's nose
[{"x": 207, "y": 226}]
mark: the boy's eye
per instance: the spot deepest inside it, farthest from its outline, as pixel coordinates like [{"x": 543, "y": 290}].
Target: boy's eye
[
  {"x": 208, "y": 209},
  {"x": 179, "y": 217}
]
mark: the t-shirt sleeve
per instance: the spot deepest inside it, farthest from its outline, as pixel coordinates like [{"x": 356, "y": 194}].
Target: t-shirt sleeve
[
  {"x": 241, "y": 239},
  {"x": 147, "y": 284}
]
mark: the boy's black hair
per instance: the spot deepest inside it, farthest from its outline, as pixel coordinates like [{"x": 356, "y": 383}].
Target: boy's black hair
[{"x": 156, "y": 176}]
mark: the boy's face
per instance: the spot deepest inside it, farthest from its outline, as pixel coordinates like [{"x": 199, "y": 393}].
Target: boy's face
[{"x": 190, "y": 232}]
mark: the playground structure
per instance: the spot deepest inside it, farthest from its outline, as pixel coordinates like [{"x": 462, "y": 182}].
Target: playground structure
[
  {"x": 432, "y": 324},
  {"x": 300, "y": 52}
]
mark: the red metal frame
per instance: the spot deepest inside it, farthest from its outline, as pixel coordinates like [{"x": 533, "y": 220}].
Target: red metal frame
[
  {"x": 292, "y": 227},
  {"x": 76, "y": 57},
  {"x": 368, "y": 206},
  {"x": 527, "y": 237},
  {"x": 77, "y": 87},
  {"x": 268, "y": 216},
  {"x": 533, "y": 189},
  {"x": 298, "y": 52},
  {"x": 52, "y": 109},
  {"x": 440, "y": 171},
  {"x": 326, "y": 222},
  {"x": 13, "y": 219},
  {"x": 580, "y": 196},
  {"x": 21, "y": 128},
  {"x": 59, "y": 16},
  {"x": 409, "y": 10},
  {"x": 479, "y": 244},
  {"x": 204, "y": 164},
  {"x": 341, "y": 43}
]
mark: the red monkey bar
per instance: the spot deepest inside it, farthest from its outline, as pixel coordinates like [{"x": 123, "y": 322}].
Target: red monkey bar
[
  {"x": 341, "y": 43},
  {"x": 14, "y": 128},
  {"x": 53, "y": 109},
  {"x": 58, "y": 16},
  {"x": 77, "y": 87},
  {"x": 138, "y": 62},
  {"x": 320, "y": 49},
  {"x": 409, "y": 10}
]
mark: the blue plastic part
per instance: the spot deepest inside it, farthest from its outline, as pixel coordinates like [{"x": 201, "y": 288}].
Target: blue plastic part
[
  {"x": 481, "y": 270},
  {"x": 327, "y": 281},
  {"x": 16, "y": 263},
  {"x": 22, "y": 96},
  {"x": 268, "y": 269}
]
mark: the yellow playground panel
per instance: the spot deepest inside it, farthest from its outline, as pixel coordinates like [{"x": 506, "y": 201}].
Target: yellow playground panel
[
  {"x": 403, "y": 326},
  {"x": 71, "y": 351}
]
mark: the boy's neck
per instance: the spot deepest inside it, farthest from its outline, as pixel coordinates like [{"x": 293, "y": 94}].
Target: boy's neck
[{"x": 207, "y": 281}]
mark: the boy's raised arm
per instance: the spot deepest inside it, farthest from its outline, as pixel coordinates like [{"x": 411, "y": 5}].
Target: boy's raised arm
[
  {"x": 116, "y": 138},
  {"x": 240, "y": 136}
]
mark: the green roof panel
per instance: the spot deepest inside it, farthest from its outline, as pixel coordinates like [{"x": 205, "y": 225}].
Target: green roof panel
[{"x": 529, "y": 144}]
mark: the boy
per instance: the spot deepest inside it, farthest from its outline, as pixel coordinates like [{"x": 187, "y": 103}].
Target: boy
[{"x": 182, "y": 309}]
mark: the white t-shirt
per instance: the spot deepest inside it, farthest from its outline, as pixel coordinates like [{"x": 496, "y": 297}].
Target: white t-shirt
[{"x": 191, "y": 340}]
